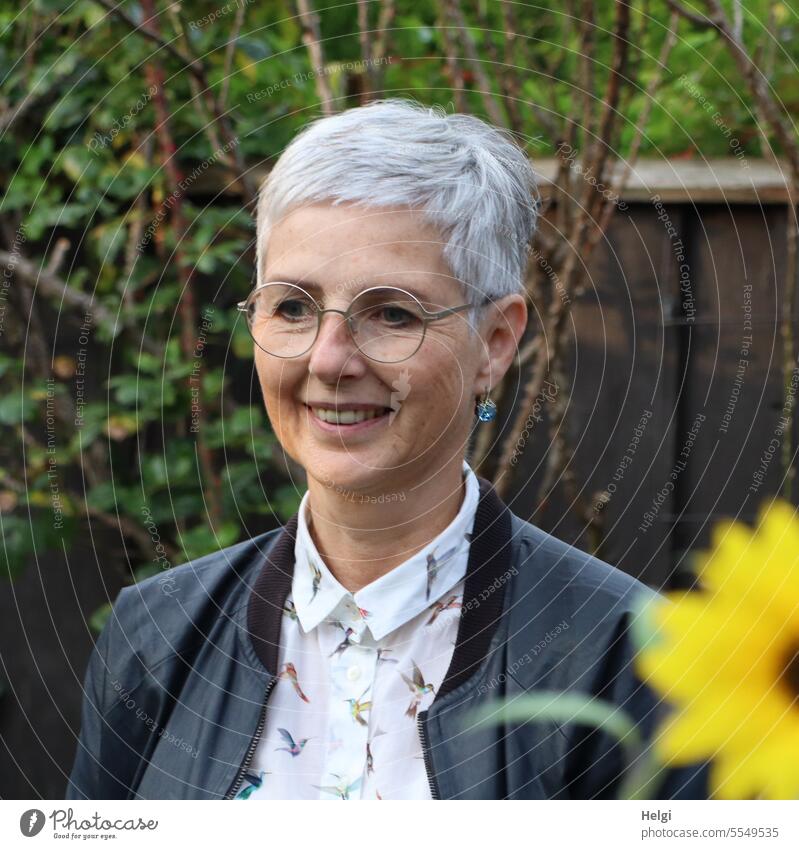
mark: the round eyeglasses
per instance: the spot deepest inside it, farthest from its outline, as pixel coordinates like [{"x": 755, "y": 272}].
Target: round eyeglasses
[{"x": 386, "y": 324}]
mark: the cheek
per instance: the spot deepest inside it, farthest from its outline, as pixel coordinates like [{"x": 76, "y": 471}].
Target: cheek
[
  {"x": 276, "y": 387},
  {"x": 450, "y": 379},
  {"x": 266, "y": 380},
  {"x": 442, "y": 395}
]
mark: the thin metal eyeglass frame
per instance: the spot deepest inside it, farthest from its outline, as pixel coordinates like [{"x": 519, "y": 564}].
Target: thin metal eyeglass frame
[{"x": 241, "y": 306}]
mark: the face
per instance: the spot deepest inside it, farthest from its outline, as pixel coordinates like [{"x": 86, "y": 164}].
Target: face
[{"x": 417, "y": 414}]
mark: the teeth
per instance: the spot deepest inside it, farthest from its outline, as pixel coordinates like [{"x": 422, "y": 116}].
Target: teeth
[{"x": 345, "y": 416}]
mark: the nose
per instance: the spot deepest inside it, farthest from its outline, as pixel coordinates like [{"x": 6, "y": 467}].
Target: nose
[{"x": 334, "y": 353}]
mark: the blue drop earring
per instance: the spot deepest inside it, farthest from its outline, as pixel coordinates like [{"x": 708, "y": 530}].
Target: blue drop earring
[{"x": 486, "y": 409}]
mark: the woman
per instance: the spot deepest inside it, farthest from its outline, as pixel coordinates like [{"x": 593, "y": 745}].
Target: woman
[{"x": 340, "y": 656}]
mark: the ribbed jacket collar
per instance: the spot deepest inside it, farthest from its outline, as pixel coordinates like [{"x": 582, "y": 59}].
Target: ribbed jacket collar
[{"x": 486, "y": 575}]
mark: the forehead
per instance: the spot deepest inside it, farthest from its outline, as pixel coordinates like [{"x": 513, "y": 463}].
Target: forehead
[{"x": 346, "y": 246}]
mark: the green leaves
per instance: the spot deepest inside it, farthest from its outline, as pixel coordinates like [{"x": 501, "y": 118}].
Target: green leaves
[
  {"x": 17, "y": 545},
  {"x": 204, "y": 539},
  {"x": 100, "y": 616},
  {"x": 23, "y": 535},
  {"x": 15, "y": 408}
]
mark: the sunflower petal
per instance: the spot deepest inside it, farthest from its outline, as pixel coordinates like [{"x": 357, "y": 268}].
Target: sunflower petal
[{"x": 719, "y": 655}]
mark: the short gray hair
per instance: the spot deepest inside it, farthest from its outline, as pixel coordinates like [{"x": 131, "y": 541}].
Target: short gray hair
[{"x": 471, "y": 180}]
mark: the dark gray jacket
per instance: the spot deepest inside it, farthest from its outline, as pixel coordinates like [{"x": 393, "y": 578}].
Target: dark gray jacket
[{"x": 177, "y": 687}]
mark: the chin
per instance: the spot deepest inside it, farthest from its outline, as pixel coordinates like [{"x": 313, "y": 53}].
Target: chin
[{"x": 349, "y": 473}]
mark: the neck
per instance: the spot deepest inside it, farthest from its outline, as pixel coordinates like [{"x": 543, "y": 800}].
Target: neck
[{"x": 363, "y": 536}]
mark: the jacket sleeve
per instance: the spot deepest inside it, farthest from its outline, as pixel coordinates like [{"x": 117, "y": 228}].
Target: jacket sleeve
[
  {"x": 597, "y": 761},
  {"x": 109, "y": 743},
  {"x": 85, "y": 781}
]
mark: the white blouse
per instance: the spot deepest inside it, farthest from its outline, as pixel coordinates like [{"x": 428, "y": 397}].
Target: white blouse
[{"x": 355, "y": 669}]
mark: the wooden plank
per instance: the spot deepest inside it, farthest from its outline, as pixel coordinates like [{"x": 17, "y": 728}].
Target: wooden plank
[
  {"x": 720, "y": 180},
  {"x": 717, "y": 180},
  {"x": 735, "y": 367},
  {"x": 621, "y": 405}
]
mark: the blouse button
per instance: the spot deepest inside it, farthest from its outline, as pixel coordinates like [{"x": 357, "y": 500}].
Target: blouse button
[{"x": 354, "y": 673}]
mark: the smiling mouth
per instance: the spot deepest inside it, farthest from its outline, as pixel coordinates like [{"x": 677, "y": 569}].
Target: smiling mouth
[{"x": 348, "y": 417}]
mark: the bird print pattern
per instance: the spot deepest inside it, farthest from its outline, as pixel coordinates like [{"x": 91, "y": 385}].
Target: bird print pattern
[
  {"x": 394, "y": 676},
  {"x": 292, "y": 748},
  {"x": 343, "y": 789},
  {"x": 290, "y": 672},
  {"x": 434, "y": 565},
  {"x": 345, "y": 643},
  {"x": 419, "y": 689},
  {"x": 356, "y": 670},
  {"x": 251, "y": 783},
  {"x": 358, "y": 707},
  {"x": 439, "y": 607},
  {"x": 316, "y": 572}
]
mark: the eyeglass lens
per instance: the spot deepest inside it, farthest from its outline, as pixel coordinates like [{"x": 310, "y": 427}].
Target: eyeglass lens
[{"x": 386, "y": 324}]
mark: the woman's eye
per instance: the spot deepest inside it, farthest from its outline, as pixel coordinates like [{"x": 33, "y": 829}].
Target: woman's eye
[
  {"x": 292, "y": 309},
  {"x": 396, "y": 315}
]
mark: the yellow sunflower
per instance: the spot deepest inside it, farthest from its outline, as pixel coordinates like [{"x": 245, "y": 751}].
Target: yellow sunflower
[{"x": 727, "y": 658}]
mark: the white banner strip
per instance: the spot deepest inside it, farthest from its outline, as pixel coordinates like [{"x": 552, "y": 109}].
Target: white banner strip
[{"x": 597, "y": 824}]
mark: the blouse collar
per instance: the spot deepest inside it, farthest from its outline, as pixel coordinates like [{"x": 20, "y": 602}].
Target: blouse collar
[
  {"x": 394, "y": 598},
  {"x": 494, "y": 556}
]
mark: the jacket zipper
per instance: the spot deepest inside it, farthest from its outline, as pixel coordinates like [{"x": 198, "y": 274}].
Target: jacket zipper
[
  {"x": 428, "y": 766},
  {"x": 248, "y": 756}
]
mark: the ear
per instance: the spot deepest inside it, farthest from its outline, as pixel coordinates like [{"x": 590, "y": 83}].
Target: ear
[{"x": 500, "y": 331}]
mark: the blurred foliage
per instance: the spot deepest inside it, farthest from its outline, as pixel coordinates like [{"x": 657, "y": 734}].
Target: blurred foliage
[{"x": 89, "y": 194}]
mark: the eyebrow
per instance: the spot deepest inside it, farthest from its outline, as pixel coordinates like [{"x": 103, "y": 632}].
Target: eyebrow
[
  {"x": 314, "y": 288},
  {"x": 303, "y": 284}
]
